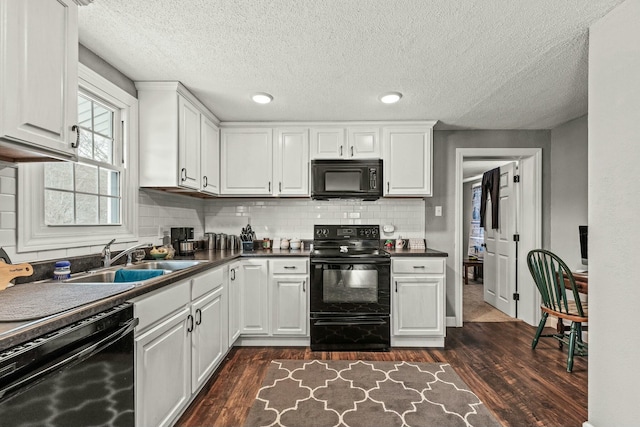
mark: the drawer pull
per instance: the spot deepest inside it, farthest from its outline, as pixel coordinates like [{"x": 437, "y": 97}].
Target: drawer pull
[
  {"x": 290, "y": 267},
  {"x": 418, "y": 266},
  {"x": 233, "y": 274},
  {"x": 190, "y": 320},
  {"x": 198, "y": 316}
]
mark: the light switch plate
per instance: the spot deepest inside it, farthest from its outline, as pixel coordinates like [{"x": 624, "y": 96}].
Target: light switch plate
[{"x": 438, "y": 210}]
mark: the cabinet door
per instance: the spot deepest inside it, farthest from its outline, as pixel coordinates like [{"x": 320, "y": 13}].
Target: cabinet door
[
  {"x": 289, "y": 304},
  {"x": 327, "y": 143},
  {"x": 162, "y": 375},
  {"x": 210, "y": 161},
  {"x": 291, "y": 162},
  {"x": 407, "y": 161},
  {"x": 208, "y": 340},
  {"x": 189, "y": 144},
  {"x": 254, "y": 298},
  {"x": 235, "y": 280},
  {"x": 246, "y": 161},
  {"x": 418, "y": 306},
  {"x": 363, "y": 143},
  {"x": 39, "y": 74}
]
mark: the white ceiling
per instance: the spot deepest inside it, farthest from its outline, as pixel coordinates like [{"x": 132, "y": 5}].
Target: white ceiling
[{"x": 479, "y": 64}]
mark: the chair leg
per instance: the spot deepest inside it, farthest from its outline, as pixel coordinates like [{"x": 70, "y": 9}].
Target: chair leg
[
  {"x": 543, "y": 321},
  {"x": 572, "y": 345}
]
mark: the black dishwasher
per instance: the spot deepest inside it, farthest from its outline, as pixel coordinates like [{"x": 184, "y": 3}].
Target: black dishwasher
[{"x": 80, "y": 375}]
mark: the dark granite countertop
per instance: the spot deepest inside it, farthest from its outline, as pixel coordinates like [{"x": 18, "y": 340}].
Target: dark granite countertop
[
  {"x": 14, "y": 333},
  {"x": 416, "y": 253}
]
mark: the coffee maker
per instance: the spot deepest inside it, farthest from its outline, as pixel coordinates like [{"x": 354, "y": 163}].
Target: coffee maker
[{"x": 182, "y": 240}]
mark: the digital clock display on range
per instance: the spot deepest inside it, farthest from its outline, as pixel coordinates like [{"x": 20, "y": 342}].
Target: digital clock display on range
[{"x": 345, "y": 231}]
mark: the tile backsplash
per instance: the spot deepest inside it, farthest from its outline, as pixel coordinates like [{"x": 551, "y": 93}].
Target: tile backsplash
[
  {"x": 295, "y": 217},
  {"x": 159, "y": 211}
]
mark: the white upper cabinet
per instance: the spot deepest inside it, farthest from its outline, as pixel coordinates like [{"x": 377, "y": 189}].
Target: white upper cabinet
[
  {"x": 363, "y": 143},
  {"x": 178, "y": 140},
  {"x": 408, "y": 157},
  {"x": 189, "y": 144},
  {"x": 291, "y": 162},
  {"x": 38, "y": 79},
  {"x": 210, "y": 161},
  {"x": 328, "y": 143},
  {"x": 246, "y": 161},
  {"x": 356, "y": 142}
]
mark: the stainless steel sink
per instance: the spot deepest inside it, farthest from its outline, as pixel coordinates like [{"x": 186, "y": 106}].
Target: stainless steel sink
[
  {"x": 170, "y": 265},
  {"x": 105, "y": 276}
]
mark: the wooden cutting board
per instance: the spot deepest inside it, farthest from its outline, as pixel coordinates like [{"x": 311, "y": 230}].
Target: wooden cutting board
[{"x": 9, "y": 272}]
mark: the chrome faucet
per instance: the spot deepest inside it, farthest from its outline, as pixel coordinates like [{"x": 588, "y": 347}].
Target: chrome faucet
[{"x": 106, "y": 253}]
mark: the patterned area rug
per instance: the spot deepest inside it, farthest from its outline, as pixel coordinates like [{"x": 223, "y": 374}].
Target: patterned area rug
[{"x": 358, "y": 393}]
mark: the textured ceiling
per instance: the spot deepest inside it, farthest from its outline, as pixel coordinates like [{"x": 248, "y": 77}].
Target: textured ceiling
[{"x": 479, "y": 64}]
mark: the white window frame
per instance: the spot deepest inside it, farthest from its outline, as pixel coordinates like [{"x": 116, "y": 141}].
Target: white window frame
[{"x": 33, "y": 233}]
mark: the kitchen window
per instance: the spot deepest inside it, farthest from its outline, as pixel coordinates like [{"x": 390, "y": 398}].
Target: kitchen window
[
  {"x": 93, "y": 200},
  {"x": 87, "y": 192}
]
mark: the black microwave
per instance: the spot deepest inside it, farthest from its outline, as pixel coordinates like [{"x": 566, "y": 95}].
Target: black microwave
[{"x": 346, "y": 179}]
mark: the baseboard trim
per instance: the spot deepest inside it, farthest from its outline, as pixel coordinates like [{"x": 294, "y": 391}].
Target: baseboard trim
[
  {"x": 587, "y": 424},
  {"x": 451, "y": 321},
  {"x": 273, "y": 341},
  {"x": 416, "y": 342}
]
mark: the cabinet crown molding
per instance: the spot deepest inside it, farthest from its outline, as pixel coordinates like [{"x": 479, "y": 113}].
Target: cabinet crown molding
[{"x": 430, "y": 123}]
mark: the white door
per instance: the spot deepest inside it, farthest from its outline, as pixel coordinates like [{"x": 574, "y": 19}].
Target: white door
[
  {"x": 208, "y": 340},
  {"x": 408, "y": 153},
  {"x": 234, "y": 302},
  {"x": 418, "y": 305},
  {"x": 289, "y": 305},
  {"x": 210, "y": 161},
  {"x": 254, "y": 295},
  {"x": 363, "y": 143},
  {"x": 246, "y": 161},
  {"x": 291, "y": 162},
  {"x": 500, "y": 252},
  {"x": 327, "y": 143},
  {"x": 189, "y": 143}
]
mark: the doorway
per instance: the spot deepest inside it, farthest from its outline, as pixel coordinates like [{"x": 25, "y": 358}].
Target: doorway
[{"x": 529, "y": 223}]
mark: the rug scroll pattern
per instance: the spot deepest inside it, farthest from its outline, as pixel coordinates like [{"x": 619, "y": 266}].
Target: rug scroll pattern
[{"x": 360, "y": 393}]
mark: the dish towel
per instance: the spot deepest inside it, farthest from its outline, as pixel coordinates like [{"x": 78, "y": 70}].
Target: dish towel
[
  {"x": 490, "y": 187},
  {"x": 123, "y": 276}
]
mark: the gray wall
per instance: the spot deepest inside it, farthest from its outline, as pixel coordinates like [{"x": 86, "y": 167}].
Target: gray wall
[
  {"x": 614, "y": 203},
  {"x": 569, "y": 192},
  {"x": 106, "y": 70},
  {"x": 440, "y": 231}
]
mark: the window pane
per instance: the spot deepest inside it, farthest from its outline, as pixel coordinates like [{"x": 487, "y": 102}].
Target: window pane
[
  {"x": 109, "y": 210},
  {"x": 102, "y": 120},
  {"x": 109, "y": 182},
  {"x": 103, "y": 149},
  {"x": 85, "y": 149},
  {"x": 84, "y": 112},
  {"x": 86, "y": 209},
  {"x": 59, "y": 175},
  {"x": 86, "y": 178},
  {"x": 58, "y": 207}
]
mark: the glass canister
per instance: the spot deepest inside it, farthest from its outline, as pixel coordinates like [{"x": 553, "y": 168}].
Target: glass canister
[{"x": 62, "y": 270}]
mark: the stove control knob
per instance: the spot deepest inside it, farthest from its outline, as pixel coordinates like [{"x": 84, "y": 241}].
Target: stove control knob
[
  {"x": 374, "y": 232},
  {"x": 367, "y": 232}
]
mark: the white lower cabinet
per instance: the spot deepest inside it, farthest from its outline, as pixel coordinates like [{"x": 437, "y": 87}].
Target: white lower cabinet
[
  {"x": 418, "y": 301},
  {"x": 180, "y": 340},
  {"x": 234, "y": 288},
  {"x": 289, "y": 279},
  {"x": 273, "y": 301},
  {"x": 254, "y": 294}
]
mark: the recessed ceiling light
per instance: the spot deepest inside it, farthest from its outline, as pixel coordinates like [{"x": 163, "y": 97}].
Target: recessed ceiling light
[
  {"x": 262, "y": 98},
  {"x": 391, "y": 97}
]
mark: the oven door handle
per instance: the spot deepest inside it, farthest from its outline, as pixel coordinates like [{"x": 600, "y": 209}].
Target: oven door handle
[
  {"x": 350, "y": 261},
  {"x": 74, "y": 358},
  {"x": 349, "y": 322}
]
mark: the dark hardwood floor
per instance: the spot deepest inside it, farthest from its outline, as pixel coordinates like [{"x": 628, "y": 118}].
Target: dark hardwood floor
[{"x": 522, "y": 387}]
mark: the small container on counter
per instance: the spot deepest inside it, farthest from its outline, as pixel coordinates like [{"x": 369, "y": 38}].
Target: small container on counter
[
  {"x": 266, "y": 243},
  {"x": 62, "y": 270}
]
